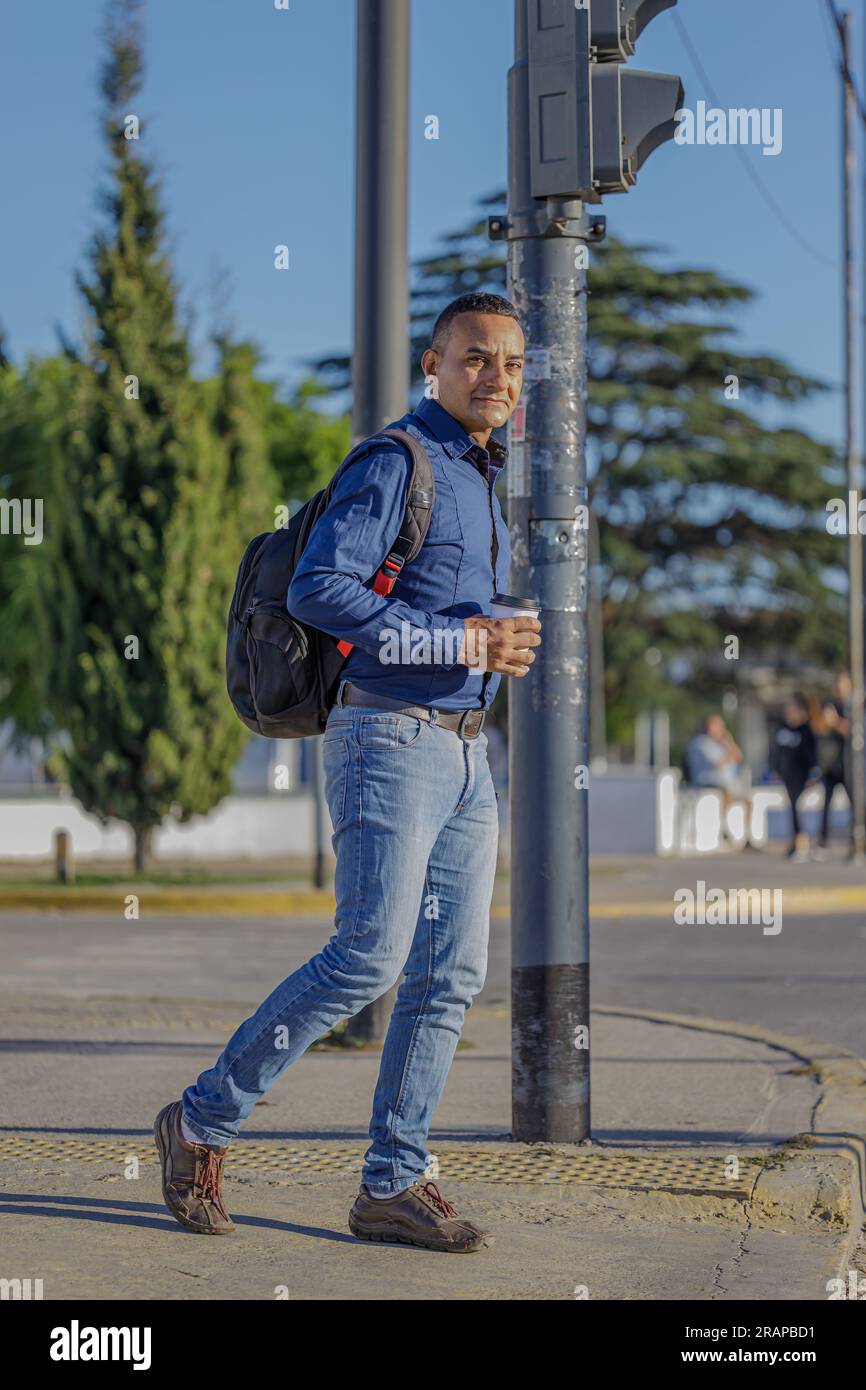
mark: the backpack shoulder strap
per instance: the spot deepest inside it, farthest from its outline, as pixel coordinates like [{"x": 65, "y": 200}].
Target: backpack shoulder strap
[
  {"x": 420, "y": 498},
  {"x": 419, "y": 509},
  {"x": 416, "y": 517}
]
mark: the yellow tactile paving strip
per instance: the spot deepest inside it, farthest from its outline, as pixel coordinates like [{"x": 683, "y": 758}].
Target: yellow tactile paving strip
[{"x": 683, "y": 1173}]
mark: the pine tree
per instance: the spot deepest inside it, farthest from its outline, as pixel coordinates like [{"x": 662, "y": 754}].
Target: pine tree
[{"x": 710, "y": 521}]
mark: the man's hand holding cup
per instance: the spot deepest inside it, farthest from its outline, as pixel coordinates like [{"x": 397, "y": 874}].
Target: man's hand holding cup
[{"x": 502, "y": 640}]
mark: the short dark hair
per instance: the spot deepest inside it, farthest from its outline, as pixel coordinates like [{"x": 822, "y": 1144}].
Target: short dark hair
[{"x": 475, "y": 303}]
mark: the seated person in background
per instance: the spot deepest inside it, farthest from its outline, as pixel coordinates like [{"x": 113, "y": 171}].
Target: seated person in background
[{"x": 713, "y": 760}]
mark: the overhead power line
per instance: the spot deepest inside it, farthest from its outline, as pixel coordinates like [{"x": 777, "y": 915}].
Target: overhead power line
[{"x": 765, "y": 193}]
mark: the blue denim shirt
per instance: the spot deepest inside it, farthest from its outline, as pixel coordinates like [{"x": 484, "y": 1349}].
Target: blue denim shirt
[{"x": 405, "y": 643}]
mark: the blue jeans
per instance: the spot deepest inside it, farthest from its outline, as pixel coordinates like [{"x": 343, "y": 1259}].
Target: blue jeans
[{"x": 415, "y": 834}]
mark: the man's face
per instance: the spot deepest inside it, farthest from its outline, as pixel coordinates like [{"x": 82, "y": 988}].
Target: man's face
[
  {"x": 716, "y": 728},
  {"x": 479, "y": 372}
]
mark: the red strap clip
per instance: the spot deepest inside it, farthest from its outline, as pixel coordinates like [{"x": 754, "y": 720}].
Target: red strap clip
[{"x": 382, "y": 584}]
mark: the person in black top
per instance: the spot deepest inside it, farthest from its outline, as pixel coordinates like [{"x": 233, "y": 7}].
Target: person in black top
[
  {"x": 833, "y": 746},
  {"x": 793, "y": 757}
]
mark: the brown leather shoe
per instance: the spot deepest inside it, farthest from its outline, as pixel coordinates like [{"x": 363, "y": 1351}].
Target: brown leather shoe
[
  {"x": 191, "y": 1177},
  {"x": 418, "y": 1216}
]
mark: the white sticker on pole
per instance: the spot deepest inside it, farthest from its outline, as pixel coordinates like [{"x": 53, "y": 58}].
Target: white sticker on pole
[{"x": 536, "y": 364}]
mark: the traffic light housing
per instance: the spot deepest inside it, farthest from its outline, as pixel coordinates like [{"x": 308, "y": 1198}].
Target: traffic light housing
[
  {"x": 617, "y": 25},
  {"x": 593, "y": 121}
]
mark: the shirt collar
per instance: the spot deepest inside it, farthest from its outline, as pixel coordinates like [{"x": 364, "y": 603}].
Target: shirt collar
[{"x": 456, "y": 442}]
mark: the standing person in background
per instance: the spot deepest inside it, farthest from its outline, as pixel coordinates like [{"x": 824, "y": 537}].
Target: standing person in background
[
  {"x": 793, "y": 757},
  {"x": 834, "y": 749}
]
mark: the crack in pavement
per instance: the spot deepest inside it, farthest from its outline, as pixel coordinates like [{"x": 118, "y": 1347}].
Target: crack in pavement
[{"x": 742, "y": 1251}]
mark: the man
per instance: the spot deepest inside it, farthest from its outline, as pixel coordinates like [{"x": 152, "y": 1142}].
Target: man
[
  {"x": 713, "y": 759},
  {"x": 409, "y": 790}
]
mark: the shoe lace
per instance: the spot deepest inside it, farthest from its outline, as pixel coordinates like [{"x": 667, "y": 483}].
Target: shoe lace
[
  {"x": 209, "y": 1179},
  {"x": 432, "y": 1192}
]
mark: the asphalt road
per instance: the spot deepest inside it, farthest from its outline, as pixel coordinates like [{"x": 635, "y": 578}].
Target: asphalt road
[
  {"x": 810, "y": 981},
  {"x": 807, "y": 980}
]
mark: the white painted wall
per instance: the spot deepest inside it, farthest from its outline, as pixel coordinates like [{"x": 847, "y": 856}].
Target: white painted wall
[
  {"x": 632, "y": 811},
  {"x": 241, "y": 827}
]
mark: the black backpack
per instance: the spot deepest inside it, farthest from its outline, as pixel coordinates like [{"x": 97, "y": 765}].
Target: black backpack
[{"x": 282, "y": 674}]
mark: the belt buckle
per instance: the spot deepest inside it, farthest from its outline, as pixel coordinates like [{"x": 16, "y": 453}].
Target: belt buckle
[{"x": 471, "y": 715}]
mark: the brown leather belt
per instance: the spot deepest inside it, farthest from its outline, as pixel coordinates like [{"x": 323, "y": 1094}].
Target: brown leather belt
[{"x": 467, "y": 723}]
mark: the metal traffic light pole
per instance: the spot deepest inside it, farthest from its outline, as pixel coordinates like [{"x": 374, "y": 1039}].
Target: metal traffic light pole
[
  {"x": 579, "y": 125},
  {"x": 549, "y": 708}
]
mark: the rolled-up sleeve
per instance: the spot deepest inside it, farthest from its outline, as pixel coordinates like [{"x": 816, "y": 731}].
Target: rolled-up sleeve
[{"x": 331, "y": 587}]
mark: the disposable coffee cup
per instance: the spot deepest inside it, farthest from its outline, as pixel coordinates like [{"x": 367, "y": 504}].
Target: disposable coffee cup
[{"x": 510, "y": 606}]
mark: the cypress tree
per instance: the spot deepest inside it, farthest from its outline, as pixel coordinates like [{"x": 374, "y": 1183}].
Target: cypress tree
[{"x": 158, "y": 526}]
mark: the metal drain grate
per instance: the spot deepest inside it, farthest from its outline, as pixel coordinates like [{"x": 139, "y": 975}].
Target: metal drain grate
[{"x": 496, "y": 1163}]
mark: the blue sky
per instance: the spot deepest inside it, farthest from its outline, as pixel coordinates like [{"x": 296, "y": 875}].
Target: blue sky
[{"x": 251, "y": 124}]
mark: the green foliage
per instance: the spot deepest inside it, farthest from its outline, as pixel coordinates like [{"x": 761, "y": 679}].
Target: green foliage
[
  {"x": 220, "y": 505},
  {"x": 136, "y": 452},
  {"x": 163, "y": 483},
  {"x": 710, "y": 520},
  {"x": 305, "y": 446},
  {"x": 113, "y": 629},
  {"x": 34, "y": 421}
]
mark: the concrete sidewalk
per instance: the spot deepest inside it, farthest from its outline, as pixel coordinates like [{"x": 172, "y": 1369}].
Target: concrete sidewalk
[{"x": 691, "y": 1189}]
